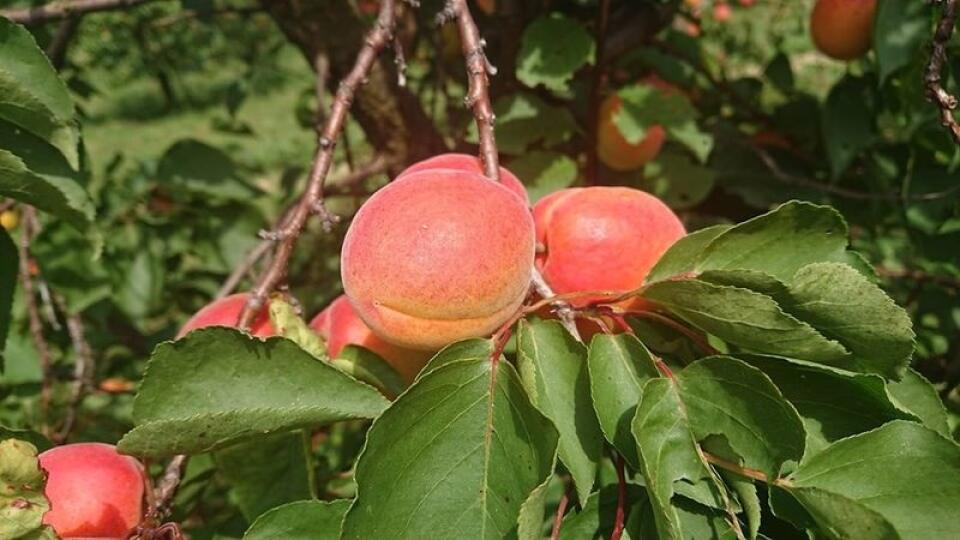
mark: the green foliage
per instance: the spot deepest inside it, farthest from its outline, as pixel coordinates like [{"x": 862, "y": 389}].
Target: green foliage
[
  {"x": 545, "y": 59},
  {"x": 22, "y": 503},
  {"x": 300, "y": 521}
]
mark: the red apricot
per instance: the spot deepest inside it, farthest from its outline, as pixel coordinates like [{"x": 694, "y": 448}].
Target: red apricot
[
  {"x": 226, "y": 312},
  {"x": 438, "y": 256},
  {"x": 601, "y": 238},
  {"x": 613, "y": 149},
  {"x": 843, "y": 29},
  {"x": 94, "y": 492},
  {"x": 464, "y": 162},
  {"x": 722, "y": 12},
  {"x": 340, "y": 326}
]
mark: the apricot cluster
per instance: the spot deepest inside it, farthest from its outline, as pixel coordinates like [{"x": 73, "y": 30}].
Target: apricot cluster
[{"x": 443, "y": 254}]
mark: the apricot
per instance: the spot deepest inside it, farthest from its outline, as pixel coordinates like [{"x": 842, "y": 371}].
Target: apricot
[
  {"x": 722, "y": 12},
  {"x": 601, "y": 238},
  {"x": 438, "y": 256},
  {"x": 464, "y": 162},
  {"x": 340, "y": 326},
  {"x": 226, "y": 312},
  {"x": 613, "y": 149},
  {"x": 843, "y": 29},
  {"x": 94, "y": 492},
  {"x": 9, "y": 219}
]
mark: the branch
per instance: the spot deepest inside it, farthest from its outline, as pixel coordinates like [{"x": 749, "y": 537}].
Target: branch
[
  {"x": 920, "y": 276},
  {"x": 561, "y": 510},
  {"x": 83, "y": 370},
  {"x": 57, "y": 50},
  {"x": 312, "y": 201},
  {"x": 27, "y": 270},
  {"x": 59, "y": 10},
  {"x": 946, "y": 102},
  {"x": 621, "y": 501},
  {"x": 478, "y": 92}
]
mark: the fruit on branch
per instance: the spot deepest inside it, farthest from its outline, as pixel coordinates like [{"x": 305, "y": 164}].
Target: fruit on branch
[
  {"x": 465, "y": 162},
  {"x": 601, "y": 239},
  {"x": 722, "y": 12},
  {"x": 843, "y": 29},
  {"x": 94, "y": 492},
  {"x": 613, "y": 149},
  {"x": 226, "y": 312},
  {"x": 340, "y": 326},
  {"x": 438, "y": 256},
  {"x": 9, "y": 219}
]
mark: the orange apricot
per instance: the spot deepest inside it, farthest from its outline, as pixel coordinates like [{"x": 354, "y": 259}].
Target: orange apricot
[
  {"x": 438, "y": 256},
  {"x": 843, "y": 29},
  {"x": 464, "y": 162},
  {"x": 226, "y": 312},
  {"x": 602, "y": 238},
  {"x": 94, "y": 492},
  {"x": 614, "y": 150}
]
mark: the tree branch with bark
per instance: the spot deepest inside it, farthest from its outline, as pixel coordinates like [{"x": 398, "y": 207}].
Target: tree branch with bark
[{"x": 933, "y": 75}]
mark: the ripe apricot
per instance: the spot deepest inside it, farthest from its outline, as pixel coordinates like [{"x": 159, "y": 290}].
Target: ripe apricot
[
  {"x": 601, "y": 238},
  {"x": 438, "y": 256},
  {"x": 613, "y": 149},
  {"x": 722, "y": 12},
  {"x": 843, "y": 29},
  {"x": 464, "y": 162},
  {"x": 94, "y": 492},
  {"x": 226, "y": 312},
  {"x": 340, "y": 326}
]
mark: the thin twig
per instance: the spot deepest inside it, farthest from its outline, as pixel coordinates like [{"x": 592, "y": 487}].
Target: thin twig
[
  {"x": 479, "y": 70},
  {"x": 165, "y": 490},
  {"x": 244, "y": 268},
  {"x": 59, "y": 10},
  {"x": 933, "y": 75},
  {"x": 561, "y": 510},
  {"x": 698, "y": 339},
  {"x": 33, "y": 312},
  {"x": 312, "y": 201},
  {"x": 792, "y": 179},
  {"x": 83, "y": 369},
  {"x": 746, "y": 472},
  {"x": 596, "y": 91},
  {"x": 620, "y": 517},
  {"x": 920, "y": 277},
  {"x": 57, "y": 50}
]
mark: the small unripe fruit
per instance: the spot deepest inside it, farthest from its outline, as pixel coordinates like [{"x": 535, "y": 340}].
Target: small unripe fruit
[
  {"x": 843, "y": 29},
  {"x": 464, "y": 162},
  {"x": 340, "y": 326},
  {"x": 226, "y": 312},
  {"x": 602, "y": 238},
  {"x": 94, "y": 492},
  {"x": 438, "y": 256},
  {"x": 9, "y": 219}
]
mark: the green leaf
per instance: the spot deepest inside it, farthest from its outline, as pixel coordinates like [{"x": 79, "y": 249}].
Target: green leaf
[
  {"x": 915, "y": 394},
  {"x": 899, "y": 31},
  {"x": 553, "y": 48},
  {"x": 36, "y": 439},
  {"x": 595, "y": 519},
  {"x": 22, "y": 502},
  {"x": 668, "y": 453},
  {"x": 696, "y": 521},
  {"x": 779, "y": 242},
  {"x": 218, "y": 386},
  {"x": 267, "y": 471},
  {"x": 9, "y": 265},
  {"x": 749, "y": 501},
  {"x": 619, "y": 366},
  {"x": 744, "y": 318},
  {"x": 553, "y": 369},
  {"x": 645, "y": 105},
  {"x": 524, "y": 120},
  {"x": 833, "y": 404},
  {"x": 847, "y": 122},
  {"x": 683, "y": 255},
  {"x": 57, "y": 195},
  {"x": 302, "y": 520},
  {"x": 367, "y": 366},
  {"x": 678, "y": 180},
  {"x": 904, "y": 473},
  {"x": 727, "y": 397},
  {"x": 205, "y": 170},
  {"x": 32, "y": 96},
  {"x": 456, "y": 455},
  {"x": 544, "y": 172},
  {"x": 841, "y": 518},
  {"x": 780, "y": 73},
  {"x": 469, "y": 349},
  {"x": 845, "y": 306},
  {"x": 530, "y": 520}
]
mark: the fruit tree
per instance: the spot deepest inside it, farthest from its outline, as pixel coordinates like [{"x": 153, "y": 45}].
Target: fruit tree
[{"x": 363, "y": 269}]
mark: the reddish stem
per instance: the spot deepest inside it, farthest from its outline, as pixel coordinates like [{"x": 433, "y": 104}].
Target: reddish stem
[
  {"x": 558, "y": 518},
  {"x": 620, "y": 518}
]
